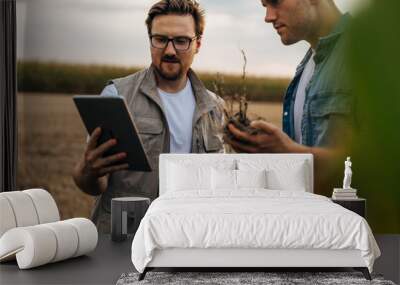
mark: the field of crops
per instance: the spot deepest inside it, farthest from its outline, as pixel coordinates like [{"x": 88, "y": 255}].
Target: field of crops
[
  {"x": 91, "y": 79},
  {"x": 52, "y": 139}
]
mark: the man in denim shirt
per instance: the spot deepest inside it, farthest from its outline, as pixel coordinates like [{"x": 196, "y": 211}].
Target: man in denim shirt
[{"x": 318, "y": 103}]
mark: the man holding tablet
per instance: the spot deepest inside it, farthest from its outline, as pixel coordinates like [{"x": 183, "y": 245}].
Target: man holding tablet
[{"x": 172, "y": 109}]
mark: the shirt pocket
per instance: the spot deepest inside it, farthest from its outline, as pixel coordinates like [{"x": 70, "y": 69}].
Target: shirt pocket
[
  {"x": 150, "y": 132},
  {"x": 329, "y": 113},
  {"x": 326, "y": 104},
  {"x": 212, "y": 143},
  {"x": 212, "y": 134}
]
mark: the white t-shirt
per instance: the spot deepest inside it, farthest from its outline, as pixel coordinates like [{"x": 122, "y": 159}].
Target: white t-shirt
[
  {"x": 301, "y": 96},
  {"x": 179, "y": 108}
]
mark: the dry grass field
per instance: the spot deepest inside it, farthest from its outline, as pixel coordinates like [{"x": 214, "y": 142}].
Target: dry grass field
[{"x": 52, "y": 139}]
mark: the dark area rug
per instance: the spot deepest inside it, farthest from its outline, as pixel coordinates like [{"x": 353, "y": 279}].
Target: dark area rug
[{"x": 233, "y": 278}]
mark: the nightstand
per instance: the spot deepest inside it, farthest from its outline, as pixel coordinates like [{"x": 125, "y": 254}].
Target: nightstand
[
  {"x": 126, "y": 214},
  {"x": 358, "y": 206}
]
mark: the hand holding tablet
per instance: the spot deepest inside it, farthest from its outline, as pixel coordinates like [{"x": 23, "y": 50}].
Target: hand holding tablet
[
  {"x": 96, "y": 162},
  {"x": 114, "y": 142}
]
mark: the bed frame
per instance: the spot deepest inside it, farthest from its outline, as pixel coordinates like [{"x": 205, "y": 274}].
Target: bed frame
[{"x": 250, "y": 259}]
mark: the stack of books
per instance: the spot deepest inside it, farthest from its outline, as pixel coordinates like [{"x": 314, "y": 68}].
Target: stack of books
[{"x": 344, "y": 194}]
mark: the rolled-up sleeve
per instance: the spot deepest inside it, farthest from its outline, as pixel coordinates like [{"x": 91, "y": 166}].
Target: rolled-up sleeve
[{"x": 109, "y": 90}]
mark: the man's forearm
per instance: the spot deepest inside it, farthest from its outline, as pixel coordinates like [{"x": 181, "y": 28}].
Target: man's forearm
[
  {"x": 93, "y": 188},
  {"x": 327, "y": 162},
  {"x": 319, "y": 153}
]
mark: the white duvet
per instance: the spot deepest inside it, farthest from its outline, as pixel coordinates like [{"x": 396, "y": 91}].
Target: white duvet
[{"x": 250, "y": 219}]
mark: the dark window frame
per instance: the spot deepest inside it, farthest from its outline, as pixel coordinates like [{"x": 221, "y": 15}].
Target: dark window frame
[{"x": 8, "y": 98}]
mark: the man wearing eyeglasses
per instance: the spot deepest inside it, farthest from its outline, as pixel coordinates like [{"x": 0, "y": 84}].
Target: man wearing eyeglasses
[
  {"x": 318, "y": 105},
  {"x": 172, "y": 109}
]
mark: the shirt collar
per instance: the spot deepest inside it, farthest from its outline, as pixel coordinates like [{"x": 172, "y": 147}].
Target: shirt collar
[
  {"x": 325, "y": 44},
  {"x": 204, "y": 100}
]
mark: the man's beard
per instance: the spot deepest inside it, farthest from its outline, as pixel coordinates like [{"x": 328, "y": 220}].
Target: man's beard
[{"x": 168, "y": 75}]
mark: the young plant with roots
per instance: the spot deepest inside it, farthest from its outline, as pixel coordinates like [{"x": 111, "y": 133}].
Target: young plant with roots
[{"x": 236, "y": 104}]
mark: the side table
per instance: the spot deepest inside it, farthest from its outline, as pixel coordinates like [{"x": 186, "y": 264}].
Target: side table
[
  {"x": 126, "y": 214},
  {"x": 358, "y": 206}
]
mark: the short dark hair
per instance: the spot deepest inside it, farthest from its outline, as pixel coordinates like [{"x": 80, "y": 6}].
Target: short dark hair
[{"x": 178, "y": 7}]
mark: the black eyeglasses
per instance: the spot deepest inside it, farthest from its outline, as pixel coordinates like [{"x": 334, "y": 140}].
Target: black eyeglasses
[
  {"x": 179, "y": 43},
  {"x": 273, "y": 3}
]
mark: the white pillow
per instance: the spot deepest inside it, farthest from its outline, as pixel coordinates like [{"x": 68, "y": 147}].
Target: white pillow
[
  {"x": 223, "y": 179},
  {"x": 183, "y": 177},
  {"x": 291, "y": 179},
  {"x": 281, "y": 174},
  {"x": 251, "y": 178},
  {"x": 202, "y": 160},
  {"x": 237, "y": 179}
]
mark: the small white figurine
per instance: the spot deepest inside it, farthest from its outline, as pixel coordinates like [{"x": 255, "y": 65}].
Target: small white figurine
[{"x": 347, "y": 174}]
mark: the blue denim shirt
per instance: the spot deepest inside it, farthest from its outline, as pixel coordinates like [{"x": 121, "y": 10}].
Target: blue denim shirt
[{"x": 328, "y": 101}]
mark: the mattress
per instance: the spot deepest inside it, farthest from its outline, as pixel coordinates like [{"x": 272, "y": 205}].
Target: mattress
[{"x": 250, "y": 219}]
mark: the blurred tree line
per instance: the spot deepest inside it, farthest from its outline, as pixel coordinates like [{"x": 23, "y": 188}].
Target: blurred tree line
[{"x": 53, "y": 77}]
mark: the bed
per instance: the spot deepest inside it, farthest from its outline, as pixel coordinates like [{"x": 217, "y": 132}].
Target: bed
[{"x": 247, "y": 211}]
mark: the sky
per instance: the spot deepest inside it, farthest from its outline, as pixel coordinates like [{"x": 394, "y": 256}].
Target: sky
[{"x": 113, "y": 32}]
